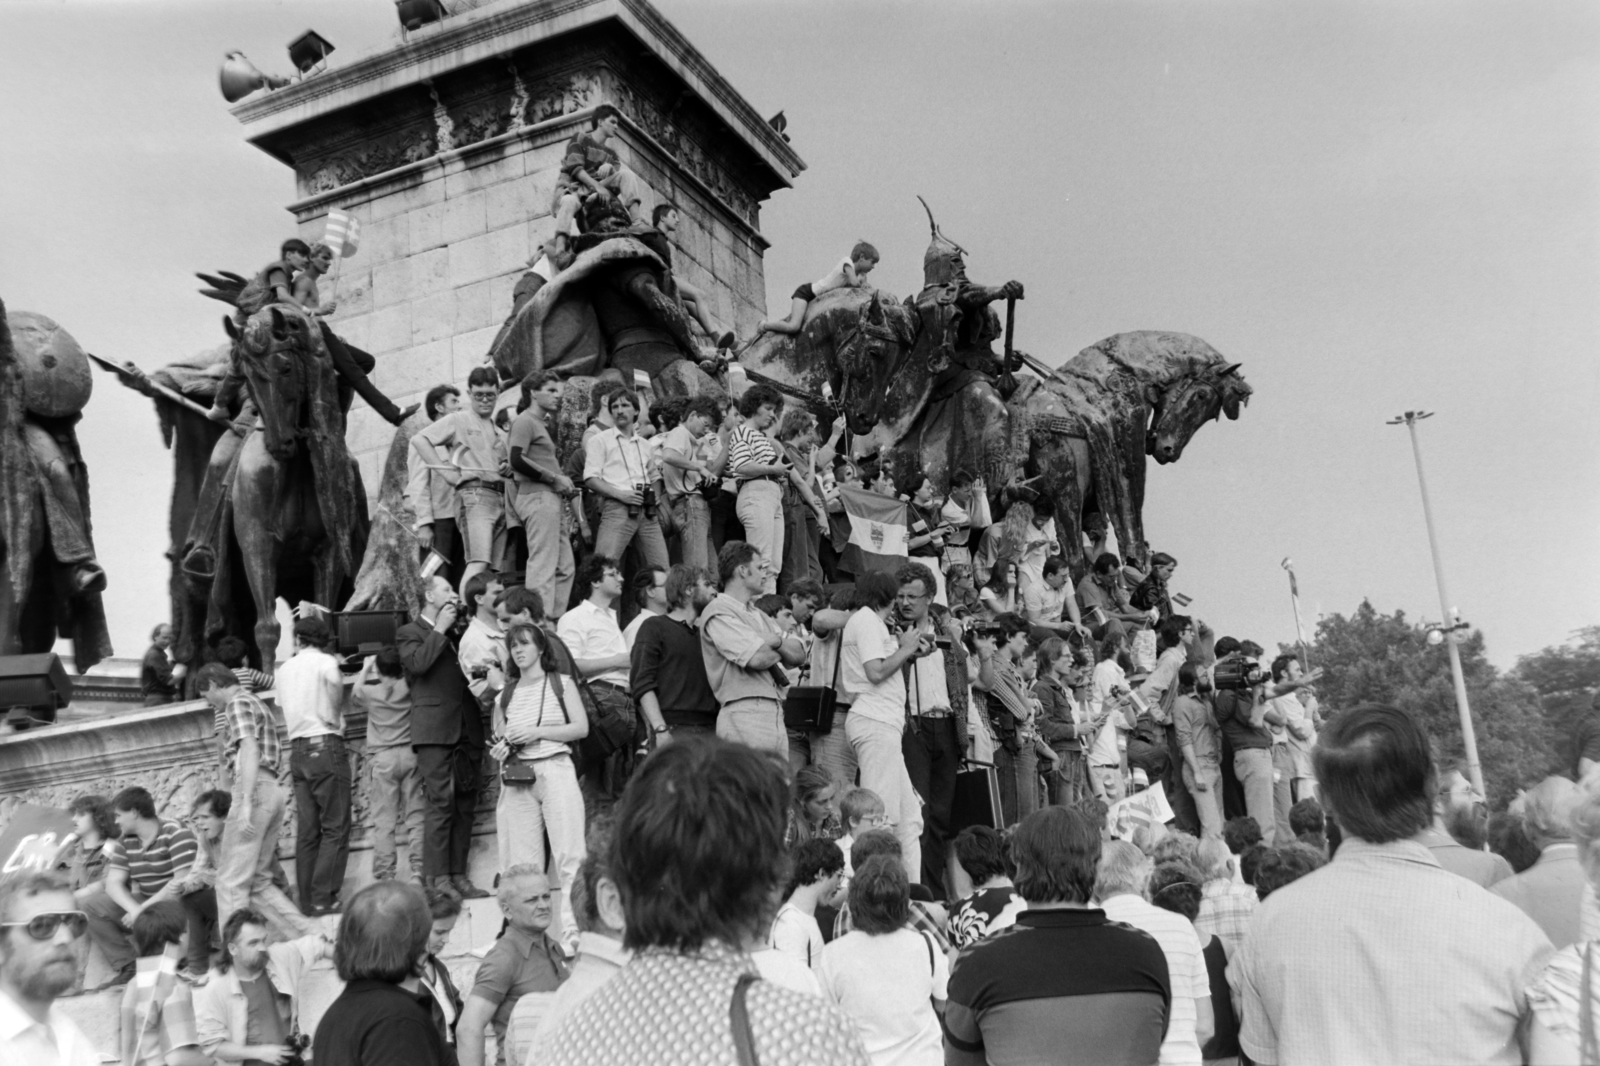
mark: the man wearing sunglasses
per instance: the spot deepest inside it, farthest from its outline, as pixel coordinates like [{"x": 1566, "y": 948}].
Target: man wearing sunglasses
[{"x": 39, "y": 924}]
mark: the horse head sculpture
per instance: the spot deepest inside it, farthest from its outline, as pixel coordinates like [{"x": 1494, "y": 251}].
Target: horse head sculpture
[
  {"x": 277, "y": 350},
  {"x": 1189, "y": 403},
  {"x": 853, "y": 341}
]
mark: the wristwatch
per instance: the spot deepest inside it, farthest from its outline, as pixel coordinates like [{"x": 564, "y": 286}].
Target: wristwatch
[{"x": 658, "y": 730}]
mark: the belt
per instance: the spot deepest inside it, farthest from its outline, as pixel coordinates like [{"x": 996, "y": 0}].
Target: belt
[
  {"x": 938, "y": 712},
  {"x": 317, "y": 741},
  {"x": 612, "y": 685},
  {"x": 475, "y": 483}
]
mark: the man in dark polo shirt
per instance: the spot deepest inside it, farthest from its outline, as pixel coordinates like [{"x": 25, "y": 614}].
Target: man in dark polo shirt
[
  {"x": 380, "y": 1018},
  {"x": 1012, "y": 1000},
  {"x": 668, "y": 673},
  {"x": 523, "y": 960},
  {"x": 1243, "y": 715}
]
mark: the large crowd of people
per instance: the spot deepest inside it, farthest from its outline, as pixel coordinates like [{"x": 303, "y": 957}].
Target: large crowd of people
[{"x": 756, "y": 800}]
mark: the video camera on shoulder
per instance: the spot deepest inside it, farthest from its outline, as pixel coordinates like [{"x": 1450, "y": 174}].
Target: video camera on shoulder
[{"x": 1234, "y": 675}]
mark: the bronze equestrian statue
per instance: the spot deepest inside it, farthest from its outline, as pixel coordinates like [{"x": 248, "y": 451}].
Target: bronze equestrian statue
[{"x": 51, "y": 581}]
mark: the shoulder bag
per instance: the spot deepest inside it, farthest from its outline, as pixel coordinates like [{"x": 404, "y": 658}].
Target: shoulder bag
[{"x": 811, "y": 707}]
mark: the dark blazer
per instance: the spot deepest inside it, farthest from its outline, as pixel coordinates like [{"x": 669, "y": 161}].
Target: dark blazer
[{"x": 443, "y": 709}]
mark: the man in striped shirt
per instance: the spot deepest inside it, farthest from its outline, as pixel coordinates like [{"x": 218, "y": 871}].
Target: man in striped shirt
[{"x": 143, "y": 867}]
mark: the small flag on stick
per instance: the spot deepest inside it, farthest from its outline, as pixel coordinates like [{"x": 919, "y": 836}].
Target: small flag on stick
[{"x": 342, "y": 234}]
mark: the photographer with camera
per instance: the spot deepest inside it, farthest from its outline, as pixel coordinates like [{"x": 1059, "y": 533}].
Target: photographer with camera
[
  {"x": 1245, "y": 717},
  {"x": 448, "y": 736},
  {"x": 249, "y": 1009},
  {"x": 616, "y": 467}
]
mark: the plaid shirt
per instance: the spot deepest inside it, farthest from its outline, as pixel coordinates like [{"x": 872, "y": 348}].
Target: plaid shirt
[
  {"x": 247, "y": 716},
  {"x": 1225, "y": 910}
]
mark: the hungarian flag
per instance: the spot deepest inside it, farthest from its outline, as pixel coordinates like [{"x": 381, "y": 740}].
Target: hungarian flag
[
  {"x": 878, "y": 531},
  {"x": 342, "y": 233}
]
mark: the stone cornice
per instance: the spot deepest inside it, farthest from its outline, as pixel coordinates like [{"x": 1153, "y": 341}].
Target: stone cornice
[{"x": 494, "y": 31}]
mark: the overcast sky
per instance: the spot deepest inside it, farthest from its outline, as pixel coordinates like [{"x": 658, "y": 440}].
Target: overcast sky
[{"x": 1373, "y": 207}]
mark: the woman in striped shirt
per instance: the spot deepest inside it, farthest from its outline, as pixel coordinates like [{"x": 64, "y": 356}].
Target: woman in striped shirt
[
  {"x": 754, "y": 461},
  {"x": 538, "y": 715}
]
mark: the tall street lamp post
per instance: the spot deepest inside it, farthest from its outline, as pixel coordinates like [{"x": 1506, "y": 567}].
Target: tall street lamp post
[{"x": 1469, "y": 739}]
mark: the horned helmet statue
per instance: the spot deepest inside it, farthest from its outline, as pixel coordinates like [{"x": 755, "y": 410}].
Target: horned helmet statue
[{"x": 941, "y": 263}]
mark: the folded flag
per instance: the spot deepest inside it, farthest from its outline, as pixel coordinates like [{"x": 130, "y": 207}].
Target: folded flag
[
  {"x": 342, "y": 233},
  {"x": 878, "y": 530}
]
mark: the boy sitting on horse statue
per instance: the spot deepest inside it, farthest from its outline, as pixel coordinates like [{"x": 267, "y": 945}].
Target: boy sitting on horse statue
[{"x": 851, "y": 273}]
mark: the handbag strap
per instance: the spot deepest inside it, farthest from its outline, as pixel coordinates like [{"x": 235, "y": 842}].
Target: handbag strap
[
  {"x": 744, "y": 1043},
  {"x": 561, "y": 694}
]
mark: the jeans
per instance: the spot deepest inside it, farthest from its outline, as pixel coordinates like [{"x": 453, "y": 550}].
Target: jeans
[
  {"x": 1071, "y": 784},
  {"x": 552, "y": 806},
  {"x": 201, "y": 909},
  {"x": 449, "y": 801},
  {"x": 1282, "y": 790},
  {"x": 933, "y": 757},
  {"x": 883, "y": 770},
  {"x": 550, "y": 566},
  {"x": 1109, "y": 778},
  {"x": 1208, "y": 804},
  {"x": 801, "y": 537},
  {"x": 755, "y": 722},
  {"x": 481, "y": 520},
  {"x": 692, "y": 512},
  {"x": 396, "y": 798},
  {"x": 618, "y": 529},
  {"x": 1253, "y": 768},
  {"x": 249, "y": 848},
  {"x": 830, "y": 750},
  {"x": 322, "y": 815},
  {"x": 761, "y": 510},
  {"x": 107, "y": 931}
]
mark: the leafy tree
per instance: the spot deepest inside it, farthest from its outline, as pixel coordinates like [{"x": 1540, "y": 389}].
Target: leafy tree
[
  {"x": 1567, "y": 679},
  {"x": 1375, "y": 658}
]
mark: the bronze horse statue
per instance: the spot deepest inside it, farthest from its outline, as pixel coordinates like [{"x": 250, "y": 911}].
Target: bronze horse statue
[
  {"x": 297, "y": 510},
  {"x": 1080, "y": 435}
]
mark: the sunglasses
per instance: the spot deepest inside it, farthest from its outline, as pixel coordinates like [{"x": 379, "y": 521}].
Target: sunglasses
[{"x": 44, "y": 926}]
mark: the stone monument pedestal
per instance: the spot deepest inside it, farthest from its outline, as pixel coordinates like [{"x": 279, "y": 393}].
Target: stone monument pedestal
[{"x": 447, "y": 148}]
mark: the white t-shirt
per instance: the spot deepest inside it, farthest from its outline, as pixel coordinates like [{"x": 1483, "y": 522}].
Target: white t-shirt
[
  {"x": 591, "y": 632},
  {"x": 884, "y": 983},
  {"x": 785, "y": 972},
  {"x": 1107, "y": 674},
  {"x": 797, "y": 934},
  {"x": 1186, "y": 966},
  {"x": 866, "y": 638}
]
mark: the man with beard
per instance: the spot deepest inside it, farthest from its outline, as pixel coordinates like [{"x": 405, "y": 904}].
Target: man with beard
[{"x": 39, "y": 922}]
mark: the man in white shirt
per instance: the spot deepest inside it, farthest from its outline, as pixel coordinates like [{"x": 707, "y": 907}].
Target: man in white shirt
[
  {"x": 39, "y": 923},
  {"x": 1120, "y": 887},
  {"x": 591, "y": 633},
  {"x": 1108, "y": 702},
  {"x": 650, "y": 593},
  {"x": 311, "y": 696},
  {"x": 870, "y": 670},
  {"x": 1049, "y": 605},
  {"x": 616, "y": 466}
]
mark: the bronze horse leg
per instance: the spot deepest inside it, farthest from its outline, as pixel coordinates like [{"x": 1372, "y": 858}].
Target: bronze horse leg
[{"x": 257, "y": 491}]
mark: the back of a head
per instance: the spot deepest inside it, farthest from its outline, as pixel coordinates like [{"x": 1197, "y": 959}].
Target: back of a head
[
  {"x": 1586, "y": 828},
  {"x": 1509, "y": 838},
  {"x": 312, "y": 632},
  {"x": 1376, "y": 771},
  {"x": 1056, "y": 852},
  {"x": 157, "y": 925},
  {"x": 880, "y": 896},
  {"x": 1213, "y": 858},
  {"x": 1240, "y": 833},
  {"x": 876, "y": 842},
  {"x": 1306, "y": 817},
  {"x": 1124, "y": 869},
  {"x": 389, "y": 662},
  {"x": 1547, "y": 808},
  {"x": 1283, "y": 864},
  {"x": 1249, "y": 861},
  {"x": 1175, "y": 886},
  {"x": 383, "y": 933},
  {"x": 981, "y": 852},
  {"x": 1176, "y": 846},
  {"x": 811, "y": 861},
  {"x": 698, "y": 848},
  {"x": 231, "y": 652}
]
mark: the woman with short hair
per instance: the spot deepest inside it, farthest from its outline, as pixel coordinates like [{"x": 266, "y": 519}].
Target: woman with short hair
[{"x": 889, "y": 978}]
